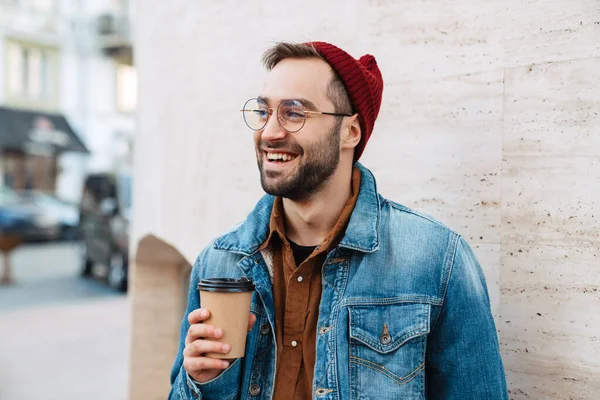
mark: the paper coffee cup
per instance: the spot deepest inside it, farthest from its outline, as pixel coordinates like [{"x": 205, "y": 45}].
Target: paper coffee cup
[{"x": 228, "y": 301}]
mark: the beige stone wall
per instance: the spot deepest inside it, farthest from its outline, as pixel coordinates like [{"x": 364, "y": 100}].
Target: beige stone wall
[{"x": 490, "y": 122}]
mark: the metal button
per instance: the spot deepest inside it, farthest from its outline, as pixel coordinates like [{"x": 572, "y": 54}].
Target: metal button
[
  {"x": 265, "y": 328},
  {"x": 294, "y": 343},
  {"x": 300, "y": 279},
  {"x": 385, "y": 338},
  {"x": 254, "y": 389}
]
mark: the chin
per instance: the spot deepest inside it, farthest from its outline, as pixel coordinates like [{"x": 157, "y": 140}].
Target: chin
[{"x": 271, "y": 186}]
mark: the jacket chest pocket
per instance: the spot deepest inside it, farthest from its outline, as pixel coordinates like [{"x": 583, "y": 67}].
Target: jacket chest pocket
[{"x": 387, "y": 350}]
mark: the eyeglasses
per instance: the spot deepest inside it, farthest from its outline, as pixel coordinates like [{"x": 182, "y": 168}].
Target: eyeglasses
[{"x": 291, "y": 114}]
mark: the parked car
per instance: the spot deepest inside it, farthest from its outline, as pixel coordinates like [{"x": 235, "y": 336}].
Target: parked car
[
  {"x": 64, "y": 215},
  {"x": 104, "y": 216},
  {"x": 26, "y": 215}
]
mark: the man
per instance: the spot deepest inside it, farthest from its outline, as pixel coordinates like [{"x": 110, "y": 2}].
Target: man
[{"x": 356, "y": 296}]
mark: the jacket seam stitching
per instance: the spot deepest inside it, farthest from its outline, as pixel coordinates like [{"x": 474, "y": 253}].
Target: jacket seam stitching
[
  {"x": 333, "y": 364},
  {"x": 449, "y": 267},
  {"x": 415, "y": 333},
  {"x": 182, "y": 386},
  {"x": 398, "y": 379},
  {"x": 407, "y": 210},
  {"x": 356, "y": 301}
]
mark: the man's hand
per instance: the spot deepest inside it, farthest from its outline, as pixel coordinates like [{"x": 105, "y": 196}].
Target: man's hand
[{"x": 198, "y": 366}]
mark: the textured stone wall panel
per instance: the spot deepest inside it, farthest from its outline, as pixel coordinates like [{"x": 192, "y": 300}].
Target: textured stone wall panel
[{"x": 543, "y": 31}]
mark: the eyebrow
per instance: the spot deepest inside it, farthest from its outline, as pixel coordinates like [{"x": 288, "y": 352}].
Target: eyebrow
[{"x": 305, "y": 102}]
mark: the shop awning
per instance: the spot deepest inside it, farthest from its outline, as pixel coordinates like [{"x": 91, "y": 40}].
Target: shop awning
[{"x": 34, "y": 131}]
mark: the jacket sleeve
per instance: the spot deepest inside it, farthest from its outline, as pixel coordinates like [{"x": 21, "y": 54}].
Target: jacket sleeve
[
  {"x": 463, "y": 356},
  {"x": 224, "y": 386}
]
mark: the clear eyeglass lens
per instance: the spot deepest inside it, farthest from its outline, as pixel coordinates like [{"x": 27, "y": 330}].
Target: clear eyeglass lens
[
  {"x": 292, "y": 115},
  {"x": 256, "y": 114}
]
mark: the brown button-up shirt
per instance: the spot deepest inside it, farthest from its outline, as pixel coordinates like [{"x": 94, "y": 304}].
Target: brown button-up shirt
[{"x": 297, "y": 295}]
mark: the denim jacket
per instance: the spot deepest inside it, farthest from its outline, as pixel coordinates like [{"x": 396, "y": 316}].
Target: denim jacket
[{"x": 404, "y": 313}]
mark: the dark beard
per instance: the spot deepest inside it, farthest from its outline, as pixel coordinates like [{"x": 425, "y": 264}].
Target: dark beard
[{"x": 313, "y": 172}]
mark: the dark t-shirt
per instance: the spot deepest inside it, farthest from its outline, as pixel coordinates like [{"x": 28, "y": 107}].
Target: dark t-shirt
[{"x": 301, "y": 253}]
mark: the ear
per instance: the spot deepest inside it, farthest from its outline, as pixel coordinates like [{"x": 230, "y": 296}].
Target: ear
[{"x": 351, "y": 133}]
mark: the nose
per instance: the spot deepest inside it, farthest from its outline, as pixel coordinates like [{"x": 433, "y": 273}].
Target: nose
[{"x": 272, "y": 131}]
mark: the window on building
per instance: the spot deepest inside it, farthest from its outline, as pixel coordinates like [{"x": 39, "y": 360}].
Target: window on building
[
  {"x": 32, "y": 73},
  {"x": 15, "y": 69},
  {"x": 126, "y": 88}
]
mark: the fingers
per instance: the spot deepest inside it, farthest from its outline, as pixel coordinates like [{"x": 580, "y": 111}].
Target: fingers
[
  {"x": 198, "y": 343},
  {"x": 197, "y": 365},
  {"x": 201, "y": 331},
  {"x": 198, "y": 348},
  {"x": 195, "y": 361},
  {"x": 198, "y": 316},
  {"x": 251, "y": 321}
]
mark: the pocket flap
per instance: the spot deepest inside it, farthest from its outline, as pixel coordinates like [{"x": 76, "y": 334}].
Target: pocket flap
[{"x": 386, "y": 327}]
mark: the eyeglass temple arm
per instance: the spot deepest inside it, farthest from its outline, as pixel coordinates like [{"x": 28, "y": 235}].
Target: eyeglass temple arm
[
  {"x": 271, "y": 110},
  {"x": 329, "y": 113}
]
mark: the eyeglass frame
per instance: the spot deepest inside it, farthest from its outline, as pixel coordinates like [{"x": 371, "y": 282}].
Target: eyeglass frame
[{"x": 271, "y": 110}]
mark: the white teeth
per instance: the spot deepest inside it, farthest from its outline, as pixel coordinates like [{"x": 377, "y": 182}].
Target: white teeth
[{"x": 279, "y": 156}]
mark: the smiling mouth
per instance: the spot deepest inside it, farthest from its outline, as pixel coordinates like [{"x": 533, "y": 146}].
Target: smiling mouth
[{"x": 280, "y": 158}]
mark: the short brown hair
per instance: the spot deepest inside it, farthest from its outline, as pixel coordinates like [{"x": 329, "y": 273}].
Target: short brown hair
[{"x": 336, "y": 91}]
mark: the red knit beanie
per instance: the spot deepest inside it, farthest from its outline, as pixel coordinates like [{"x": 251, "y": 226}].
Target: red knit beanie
[{"x": 364, "y": 84}]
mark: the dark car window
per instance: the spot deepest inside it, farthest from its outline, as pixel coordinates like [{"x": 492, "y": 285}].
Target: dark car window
[{"x": 101, "y": 187}]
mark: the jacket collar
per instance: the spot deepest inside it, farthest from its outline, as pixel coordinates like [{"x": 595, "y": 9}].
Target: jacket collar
[{"x": 361, "y": 234}]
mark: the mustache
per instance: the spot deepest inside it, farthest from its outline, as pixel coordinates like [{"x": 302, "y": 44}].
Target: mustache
[{"x": 282, "y": 145}]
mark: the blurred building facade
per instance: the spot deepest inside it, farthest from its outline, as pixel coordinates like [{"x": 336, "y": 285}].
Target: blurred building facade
[{"x": 67, "y": 92}]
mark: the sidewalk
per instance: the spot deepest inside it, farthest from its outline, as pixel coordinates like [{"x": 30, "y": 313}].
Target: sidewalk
[
  {"x": 62, "y": 337},
  {"x": 71, "y": 352}
]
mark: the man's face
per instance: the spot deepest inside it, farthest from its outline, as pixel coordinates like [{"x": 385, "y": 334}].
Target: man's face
[{"x": 312, "y": 154}]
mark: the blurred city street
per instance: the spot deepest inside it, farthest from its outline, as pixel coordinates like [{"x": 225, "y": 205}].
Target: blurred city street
[
  {"x": 68, "y": 97},
  {"x": 61, "y": 336}
]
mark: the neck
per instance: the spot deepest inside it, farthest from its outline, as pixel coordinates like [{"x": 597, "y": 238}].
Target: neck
[{"x": 309, "y": 221}]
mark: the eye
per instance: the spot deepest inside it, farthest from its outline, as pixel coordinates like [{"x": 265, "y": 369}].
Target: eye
[
  {"x": 261, "y": 113},
  {"x": 294, "y": 114}
]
